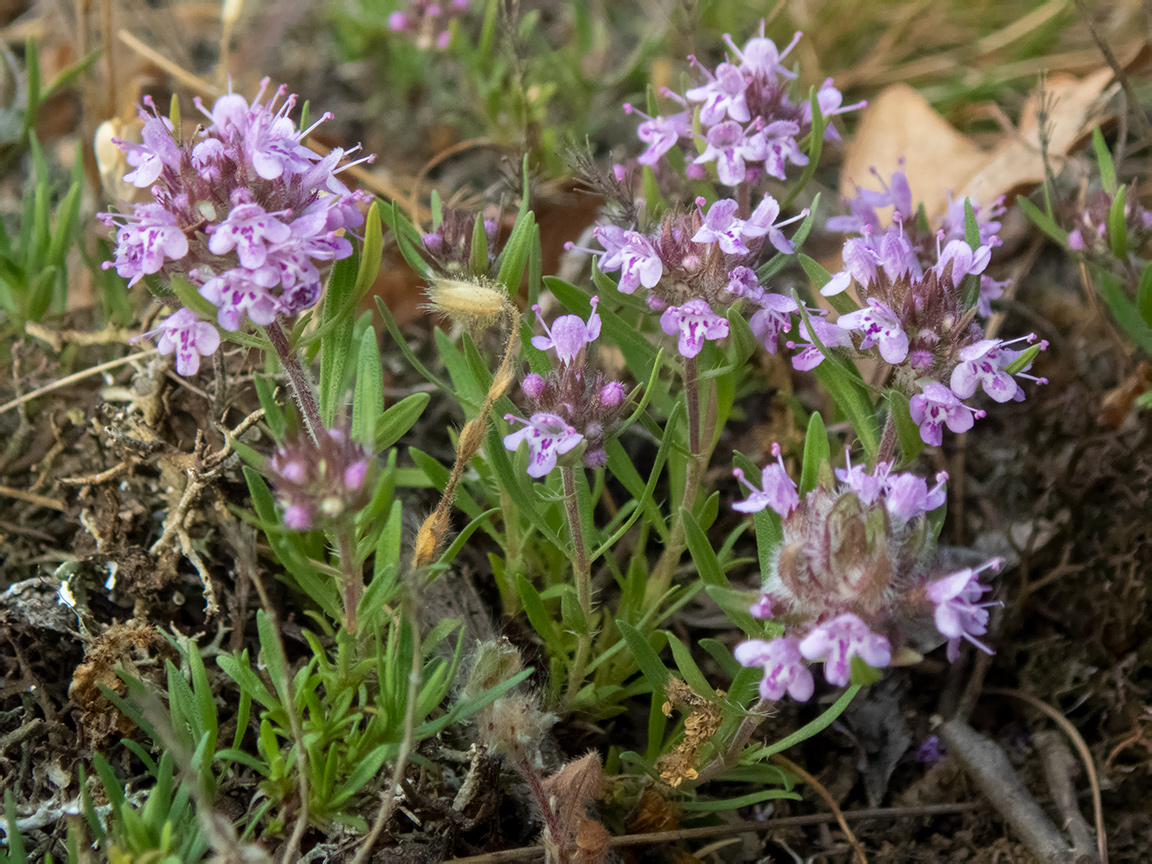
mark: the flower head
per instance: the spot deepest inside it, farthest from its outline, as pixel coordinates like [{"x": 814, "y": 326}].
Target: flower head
[
  {"x": 319, "y": 482},
  {"x": 880, "y": 325},
  {"x": 784, "y": 668},
  {"x": 772, "y": 318}
]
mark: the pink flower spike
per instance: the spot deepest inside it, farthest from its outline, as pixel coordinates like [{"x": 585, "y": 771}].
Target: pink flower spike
[
  {"x": 548, "y": 437},
  {"x": 783, "y": 665},
  {"x": 695, "y": 322},
  {"x": 838, "y": 641},
  {"x": 777, "y": 490},
  {"x": 958, "y": 614}
]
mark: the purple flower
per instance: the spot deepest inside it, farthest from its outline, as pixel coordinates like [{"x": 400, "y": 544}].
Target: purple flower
[
  {"x": 568, "y": 334},
  {"x": 249, "y": 229},
  {"x": 897, "y": 256},
  {"x": 761, "y": 59},
  {"x": 548, "y": 437},
  {"x": 963, "y": 260},
  {"x": 236, "y": 295},
  {"x": 660, "y": 133},
  {"x": 763, "y": 221},
  {"x": 810, "y": 355},
  {"x": 780, "y": 147},
  {"x": 990, "y": 290},
  {"x": 867, "y": 487},
  {"x": 982, "y": 365},
  {"x": 937, "y": 406},
  {"x": 695, "y": 322},
  {"x": 722, "y": 95},
  {"x": 742, "y": 282},
  {"x": 319, "y": 481},
  {"x": 772, "y": 318},
  {"x": 730, "y": 147},
  {"x": 150, "y": 158},
  {"x": 783, "y": 665},
  {"x": 776, "y": 488},
  {"x": 184, "y": 334},
  {"x": 830, "y": 100},
  {"x": 838, "y": 641},
  {"x": 144, "y": 239},
  {"x": 908, "y": 496},
  {"x": 879, "y": 324},
  {"x": 959, "y": 614},
  {"x": 722, "y": 226}
]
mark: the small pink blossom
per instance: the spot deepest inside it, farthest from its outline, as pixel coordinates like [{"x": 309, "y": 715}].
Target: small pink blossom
[
  {"x": 959, "y": 614},
  {"x": 548, "y": 437},
  {"x": 784, "y": 668},
  {"x": 836, "y": 642},
  {"x": 183, "y": 333},
  {"x": 937, "y": 406},
  {"x": 569, "y": 334},
  {"x": 777, "y": 490},
  {"x": 695, "y": 322},
  {"x": 879, "y": 325}
]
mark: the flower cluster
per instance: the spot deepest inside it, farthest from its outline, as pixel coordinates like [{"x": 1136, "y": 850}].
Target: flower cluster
[
  {"x": 750, "y": 124},
  {"x": 244, "y": 211},
  {"x": 917, "y": 311},
  {"x": 429, "y": 22},
  {"x": 1091, "y": 232},
  {"x": 318, "y": 482},
  {"x": 573, "y": 405},
  {"x": 696, "y": 261},
  {"x": 852, "y": 575}
]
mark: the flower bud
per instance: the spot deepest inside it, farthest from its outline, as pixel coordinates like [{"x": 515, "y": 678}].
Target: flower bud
[{"x": 612, "y": 394}]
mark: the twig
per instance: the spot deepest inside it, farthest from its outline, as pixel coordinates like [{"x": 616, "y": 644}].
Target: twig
[
  {"x": 1117, "y": 69},
  {"x": 987, "y": 765},
  {"x": 1081, "y": 749},
  {"x": 1058, "y": 762},
  {"x": 32, "y": 498},
  {"x": 73, "y": 378},
  {"x": 819, "y": 789},
  {"x": 528, "y": 852}
]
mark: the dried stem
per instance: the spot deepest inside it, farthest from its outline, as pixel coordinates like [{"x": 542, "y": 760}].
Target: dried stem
[{"x": 819, "y": 789}]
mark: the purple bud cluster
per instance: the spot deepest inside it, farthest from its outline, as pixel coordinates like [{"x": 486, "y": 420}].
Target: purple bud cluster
[
  {"x": 750, "y": 124},
  {"x": 244, "y": 211},
  {"x": 573, "y": 404},
  {"x": 1091, "y": 232},
  {"x": 917, "y": 314},
  {"x": 852, "y": 576},
  {"x": 428, "y": 22},
  {"x": 450, "y": 245},
  {"x": 319, "y": 482}
]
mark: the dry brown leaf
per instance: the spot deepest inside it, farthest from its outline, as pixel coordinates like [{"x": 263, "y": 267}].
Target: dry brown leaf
[{"x": 940, "y": 160}]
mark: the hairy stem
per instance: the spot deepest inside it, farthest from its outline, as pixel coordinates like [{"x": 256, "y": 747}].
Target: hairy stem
[
  {"x": 888, "y": 441},
  {"x": 582, "y": 571},
  {"x": 298, "y": 378},
  {"x": 353, "y": 577}
]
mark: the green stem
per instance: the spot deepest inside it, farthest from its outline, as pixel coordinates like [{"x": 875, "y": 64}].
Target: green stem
[
  {"x": 582, "y": 571},
  {"x": 353, "y": 578},
  {"x": 298, "y": 380},
  {"x": 661, "y": 576}
]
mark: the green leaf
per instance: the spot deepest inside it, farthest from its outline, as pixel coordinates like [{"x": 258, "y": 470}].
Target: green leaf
[
  {"x": 863, "y": 674},
  {"x": 16, "y": 853},
  {"x": 1104, "y": 161},
  {"x": 728, "y": 805},
  {"x": 820, "y": 277},
  {"x": 907, "y": 432},
  {"x": 707, "y": 564},
  {"x": 402, "y": 344},
  {"x": 371, "y": 252},
  {"x": 514, "y": 256},
  {"x": 647, "y": 660},
  {"x": 813, "y": 728},
  {"x": 368, "y": 397},
  {"x": 478, "y": 259},
  {"x": 1144, "y": 295},
  {"x": 338, "y": 316},
  {"x": 816, "y": 453},
  {"x": 399, "y": 419},
  {"x": 1043, "y": 221},
  {"x": 1118, "y": 225},
  {"x": 273, "y": 654},
  {"x": 815, "y": 148},
  {"x": 520, "y": 489},
  {"x": 273, "y": 412},
  {"x": 1124, "y": 311},
  {"x": 689, "y": 671},
  {"x": 407, "y": 239},
  {"x": 1024, "y": 360}
]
